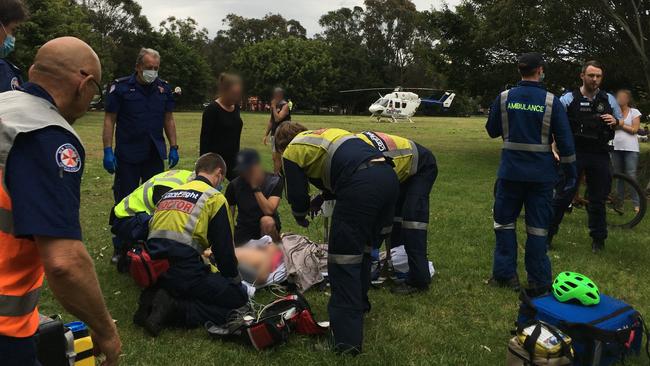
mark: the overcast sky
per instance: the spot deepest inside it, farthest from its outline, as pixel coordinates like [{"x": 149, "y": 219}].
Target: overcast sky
[{"x": 209, "y": 13}]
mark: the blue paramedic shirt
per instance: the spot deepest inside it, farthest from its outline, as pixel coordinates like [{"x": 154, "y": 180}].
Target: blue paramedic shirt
[
  {"x": 528, "y": 100},
  {"x": 10, "y": 76},
  {"x": 44, "y": 170},
  {"x": 140, "y": 117}
]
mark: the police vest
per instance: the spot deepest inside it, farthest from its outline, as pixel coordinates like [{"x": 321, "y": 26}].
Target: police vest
[
  {"x": 313, "y": 151},
  {"x": 508, "y": 144},
  {"x": 141, "y": 200},
  {"x": 21, "y": 270},
  {"x": 403, "y": 152},
  {"x": 183, "y": 214},
  {"x": 589, "y": 130}
]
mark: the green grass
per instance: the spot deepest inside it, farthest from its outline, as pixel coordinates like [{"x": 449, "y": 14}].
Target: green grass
[{"x": 460, "y": 321}]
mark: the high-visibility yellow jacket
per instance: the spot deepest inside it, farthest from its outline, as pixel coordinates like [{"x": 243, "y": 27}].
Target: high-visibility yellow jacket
[
  {"x": 402, "y": 151},
  {"x": 141, "y": 200}
]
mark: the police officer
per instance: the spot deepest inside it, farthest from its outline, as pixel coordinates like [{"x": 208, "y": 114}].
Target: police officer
[
  {"x": 529, "y": 119},
  {"x": 12, "y": 13},
  {"x": 130, "y": 217},
  {"x": 594, "y": 116},
  {"x": 366, "y": 189},
  {"x": 139, "y": 107},
  {"x": 280, "y": 112},
  {"x": 416, "y": 170},
  {"x": 187, "y": 221},
  {"x": 41, "y": 164}
]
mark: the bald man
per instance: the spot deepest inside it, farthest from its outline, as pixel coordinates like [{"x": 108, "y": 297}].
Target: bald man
[{"x": 41, "y": 163}]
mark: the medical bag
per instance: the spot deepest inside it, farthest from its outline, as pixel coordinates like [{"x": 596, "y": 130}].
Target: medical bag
[
  {"x": 539, "y": 344},
  {"x": 601, "y": 334},
  {"x": 144, "y": 270},
  {"x": 61, "y": 344},
  {"x": 272, "y": 325}
]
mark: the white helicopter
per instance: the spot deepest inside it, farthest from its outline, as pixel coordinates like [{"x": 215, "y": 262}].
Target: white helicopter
[{"x": 401, "y": 105}]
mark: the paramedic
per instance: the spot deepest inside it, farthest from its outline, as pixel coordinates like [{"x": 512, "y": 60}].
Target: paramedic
[
  {"x": 366, "y": 189},
  {"x": 12, "y": 13},
  {"x": 416, "y": 170},
  {"x": 528, "y": 118},
  {"x": 187, "y": 221},
  {"x": 41, "y": 164}
]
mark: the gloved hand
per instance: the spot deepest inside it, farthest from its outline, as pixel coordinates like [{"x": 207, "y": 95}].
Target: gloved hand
[
  {"x": 173, "y": 157},
  {"x": 315, "y": 205},
  {"x": 570, "y": 176},
  {"x": 110, "y": 163},
  {"x": 302, "y": 221}
]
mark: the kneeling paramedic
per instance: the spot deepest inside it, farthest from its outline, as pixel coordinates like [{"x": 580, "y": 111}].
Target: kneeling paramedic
[
  {"x": 130, "y": 218},
  {"x": 416, "y": 170},
  {"x": 528, "y": 117},
  {"x": 188, "y": 220},
  {"x": 366, "y": 190},
  {"x": 594, "y": 116}
]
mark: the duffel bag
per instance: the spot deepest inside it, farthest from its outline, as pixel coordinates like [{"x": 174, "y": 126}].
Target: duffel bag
[
  {"x": 602, "y": 334},
  {"x": 539, "y": 344},
  {"x": 144, "y": 270}
]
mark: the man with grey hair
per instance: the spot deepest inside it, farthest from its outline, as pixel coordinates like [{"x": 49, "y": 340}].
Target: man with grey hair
[{"x": 139, "y": 108}]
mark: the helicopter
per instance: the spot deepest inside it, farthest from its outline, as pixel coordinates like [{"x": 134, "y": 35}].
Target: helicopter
[{"x": 400, "y": 105}]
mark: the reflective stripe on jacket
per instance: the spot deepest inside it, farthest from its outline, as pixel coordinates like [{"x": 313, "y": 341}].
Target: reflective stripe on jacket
[
  {"x": 402, "y": 151},
  {"x": 141, "y": 200},
  {"x": 21, "y": 270}
]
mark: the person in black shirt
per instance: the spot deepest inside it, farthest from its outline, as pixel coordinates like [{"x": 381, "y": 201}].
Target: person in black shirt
[
  {"x": 222, "y": 123},
  {"x": 256, "y": 196},
  {"x": 280, "y": 112}
]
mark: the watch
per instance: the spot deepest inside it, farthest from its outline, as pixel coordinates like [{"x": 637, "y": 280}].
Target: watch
[{"x": 257, "y": 189}]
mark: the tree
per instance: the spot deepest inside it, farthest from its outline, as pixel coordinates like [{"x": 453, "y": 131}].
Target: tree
[{"x": 303, "y": 69}]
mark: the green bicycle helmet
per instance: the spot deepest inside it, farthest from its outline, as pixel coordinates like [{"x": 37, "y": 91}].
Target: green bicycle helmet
[{"x": 570, "y": 286}]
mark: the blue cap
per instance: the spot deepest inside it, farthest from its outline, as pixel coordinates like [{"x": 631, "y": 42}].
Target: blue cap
[{"x": 246, "y": 159}]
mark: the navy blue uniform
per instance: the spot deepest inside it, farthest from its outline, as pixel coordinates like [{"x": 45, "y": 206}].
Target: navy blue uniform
[
  {"x": 43, "y": 177},
  {"x": 363, "y": 209},
  {"x": 10, "y": 76},
  {"x": 140, "y": 147},
  {"x": 528, "y": 118},
  {"x": 593, "y": 160}
]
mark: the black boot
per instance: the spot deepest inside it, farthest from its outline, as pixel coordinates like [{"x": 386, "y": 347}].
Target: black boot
[
  {"x": 512, "y": 283},
  {"x": 144, "y": 305},
  {"x": 163, "y": 310},
  {"x": 406, "y": 289},
  {"x": 597, "y": 245}
]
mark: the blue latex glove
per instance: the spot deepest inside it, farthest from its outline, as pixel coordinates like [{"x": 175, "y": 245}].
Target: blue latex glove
[
  {"x": 570, "y": 176},
  {"x": 302, "y": 221},
  {"x": 110, "y": 163},
  {"x": 173, "y": 157}
]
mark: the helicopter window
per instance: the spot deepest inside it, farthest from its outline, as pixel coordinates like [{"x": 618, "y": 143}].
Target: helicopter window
[
  {"x": 390, "y": 104},
  {"x": 403, "y": 104},
  {"x": 382, "y": 102}
]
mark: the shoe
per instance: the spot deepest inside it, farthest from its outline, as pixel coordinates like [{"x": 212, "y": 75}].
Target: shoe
[
  {"x": 406, "y": 289},
  {"x": 512, "y": 283},
  {"x": 115, "y": 259},
  {"x": 144, "y": 306},
  {"x": 537, "y": 291},
  {"x": 163, "y": 307},
  {"x": 597, "y": 245}
]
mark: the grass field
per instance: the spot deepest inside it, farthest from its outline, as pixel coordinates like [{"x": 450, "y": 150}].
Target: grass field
[{"x": 460, "y": 321}]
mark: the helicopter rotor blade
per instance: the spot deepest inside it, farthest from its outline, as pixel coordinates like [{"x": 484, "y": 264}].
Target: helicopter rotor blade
[{"x": 363, "y": 90}]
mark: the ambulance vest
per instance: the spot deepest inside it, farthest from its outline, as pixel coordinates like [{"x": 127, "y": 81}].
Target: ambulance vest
[
  {"x": 547, "y": 109},
  {"x": 314, "y": 150},
  {"x": 183, "y": 214},
  {"x": 21, "y": 270},
  {"x": 141, "y": 200},
  {"x": 591, "y": 134},
  {"x": 403, "y": 152}
]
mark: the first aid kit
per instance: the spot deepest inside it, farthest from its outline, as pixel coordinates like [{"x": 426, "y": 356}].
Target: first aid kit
[
  {"x": 61, "y": 344},
  {"x": 539, "y": 344},
  {"x": 601, "y": 334},
  {"x": 144, "y": 270}
]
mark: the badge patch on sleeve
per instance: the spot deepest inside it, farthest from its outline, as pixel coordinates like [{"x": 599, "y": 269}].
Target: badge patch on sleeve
[{"x": 68, "y": 159}]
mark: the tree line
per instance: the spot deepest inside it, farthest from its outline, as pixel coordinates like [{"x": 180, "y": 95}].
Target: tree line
[{"x": 470, "y": 48}]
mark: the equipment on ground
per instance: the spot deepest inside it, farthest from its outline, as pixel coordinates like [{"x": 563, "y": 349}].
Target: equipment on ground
[
  {"x": 573, "y": 286},
  {"x": 401, "y": 105},
  {"x": 539, "y": 344},
  {"x": 64, "y": 344},
  {"x": 144, "y": 270}
]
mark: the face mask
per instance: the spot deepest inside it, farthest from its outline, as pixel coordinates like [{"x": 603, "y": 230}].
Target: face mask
[
  {"x": 149, "y": 76},
  {"x": 8, "y": 45},
  {"x": 542, "y": 76}
]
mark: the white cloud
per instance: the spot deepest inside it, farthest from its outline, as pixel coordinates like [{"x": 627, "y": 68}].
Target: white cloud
[{"x": 210, "y": 13}]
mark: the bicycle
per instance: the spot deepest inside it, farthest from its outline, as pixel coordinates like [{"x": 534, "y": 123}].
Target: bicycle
[{"x": 620, "y": 207}]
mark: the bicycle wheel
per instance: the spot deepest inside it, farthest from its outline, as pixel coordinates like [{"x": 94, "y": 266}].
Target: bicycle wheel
[{"x": 622, "y": 208}]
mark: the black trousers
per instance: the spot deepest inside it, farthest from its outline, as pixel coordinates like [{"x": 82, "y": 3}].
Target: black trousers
[
  {"x": 365, "y": 205},
  {"x": 412, "y": 220},
  {"x": 18, "y": 351},
  {"x": 596, "y": 167}
]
